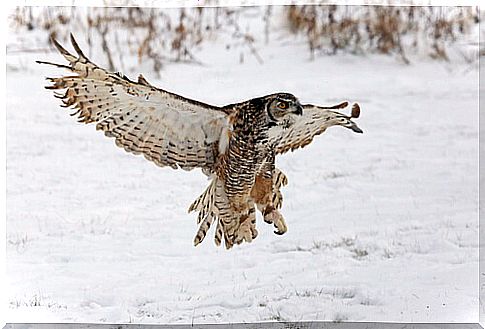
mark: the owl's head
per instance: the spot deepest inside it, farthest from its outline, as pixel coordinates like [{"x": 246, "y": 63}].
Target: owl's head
[{"x": 281, "y": 106}]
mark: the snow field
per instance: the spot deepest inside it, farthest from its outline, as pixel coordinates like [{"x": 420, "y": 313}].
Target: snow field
[{"x": 382, "y": 226}]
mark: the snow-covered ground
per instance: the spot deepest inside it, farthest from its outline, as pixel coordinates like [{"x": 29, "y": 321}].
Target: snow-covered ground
[{"x": 382, "y": 226}]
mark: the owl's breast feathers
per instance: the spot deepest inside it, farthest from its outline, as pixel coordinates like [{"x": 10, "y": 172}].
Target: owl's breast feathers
[{"x": 246, "y": 150}]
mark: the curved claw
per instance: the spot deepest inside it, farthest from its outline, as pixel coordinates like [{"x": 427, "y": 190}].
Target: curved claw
[{"x": 278, "y": 221}]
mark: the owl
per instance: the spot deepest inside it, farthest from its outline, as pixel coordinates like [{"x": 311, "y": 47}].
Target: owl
[{"x": 234, "y": 145}]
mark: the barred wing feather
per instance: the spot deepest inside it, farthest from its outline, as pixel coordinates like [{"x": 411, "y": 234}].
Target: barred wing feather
[
  {"x": 166, "y": 128},
  {"x": 314, "y": 121}
]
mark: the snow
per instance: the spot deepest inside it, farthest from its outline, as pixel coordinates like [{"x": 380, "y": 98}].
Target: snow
[{"x": 383, "y": 226}]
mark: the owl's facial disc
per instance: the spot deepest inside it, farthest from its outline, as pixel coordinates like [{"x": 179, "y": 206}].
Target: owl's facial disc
[{"x": 280, "y": 108}]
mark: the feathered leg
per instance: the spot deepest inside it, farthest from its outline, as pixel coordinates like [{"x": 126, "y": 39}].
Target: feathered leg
[
  {"x": 247, "y": 226},
  {"x": 268, "y": 198}
]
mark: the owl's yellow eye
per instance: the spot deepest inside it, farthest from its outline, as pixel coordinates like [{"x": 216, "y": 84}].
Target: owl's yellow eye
[{"x": 283, "y": 105}]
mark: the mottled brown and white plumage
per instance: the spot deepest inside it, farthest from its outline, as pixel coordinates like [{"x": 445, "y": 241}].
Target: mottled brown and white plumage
[{"x": 235, "y": 145}]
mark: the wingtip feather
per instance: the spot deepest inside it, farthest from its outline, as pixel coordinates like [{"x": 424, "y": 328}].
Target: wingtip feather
[
  {"x": 355, "y": 111},
  {"x": 54, "y": 64},
  {"x": 341, "y": 105},
  {"x": 76, "y": 47},
  {"x": 61, "y": 49}
]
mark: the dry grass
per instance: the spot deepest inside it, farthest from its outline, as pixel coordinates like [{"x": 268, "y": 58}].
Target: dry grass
[
  {"x": 152, "y": 34},
  {"x": 378, "y": 29},
  {"x": 156, "y": 37}
]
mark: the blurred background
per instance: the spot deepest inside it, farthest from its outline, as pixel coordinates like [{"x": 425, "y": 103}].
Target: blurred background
[{"x": 159, "y": 37}]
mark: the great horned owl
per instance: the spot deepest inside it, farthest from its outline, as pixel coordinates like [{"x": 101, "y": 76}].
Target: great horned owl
[{"x": 235, "y": 145}]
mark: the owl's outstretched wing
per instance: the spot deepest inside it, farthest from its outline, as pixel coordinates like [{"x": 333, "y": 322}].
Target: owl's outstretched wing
[
  {"x": 166, "y": 128},
  {"x": 314, "y": 121}
]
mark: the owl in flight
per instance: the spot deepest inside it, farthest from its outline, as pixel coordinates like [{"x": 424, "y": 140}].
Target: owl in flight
[{"x": 235, "y": 145}]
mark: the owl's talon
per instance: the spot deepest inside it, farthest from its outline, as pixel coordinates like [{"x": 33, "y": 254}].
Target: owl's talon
[
  {"x": 246, "y": 231},
  {"x": 281, "y": 228},
  {"x": 277, "y": 220}
]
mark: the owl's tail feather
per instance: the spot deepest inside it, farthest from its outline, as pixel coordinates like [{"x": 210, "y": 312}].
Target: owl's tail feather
[
  {"x": 233, "y": 227},
  {"x": 204, "y": 228},
  {"x": 213, "y": 205},
  {"x": 204, "y": 202},
  {"x": 205, "y": 205},
  {"x": 219, "y": 233}
]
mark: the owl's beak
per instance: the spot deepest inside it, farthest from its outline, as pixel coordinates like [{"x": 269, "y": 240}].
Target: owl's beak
[{"x": 298, "y": 110}]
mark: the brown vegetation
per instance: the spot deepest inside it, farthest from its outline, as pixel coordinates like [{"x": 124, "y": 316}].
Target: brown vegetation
[
  {"x": 381, "y": 29},
  {"x": 157, "y": 37}
]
